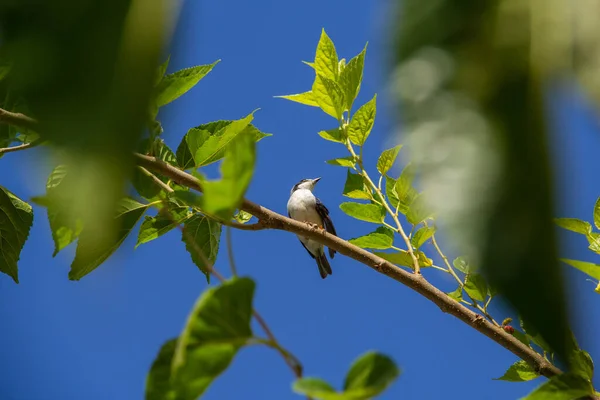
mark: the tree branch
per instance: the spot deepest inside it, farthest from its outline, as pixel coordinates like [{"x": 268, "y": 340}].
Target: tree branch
[{"x": 17, "y": 119}]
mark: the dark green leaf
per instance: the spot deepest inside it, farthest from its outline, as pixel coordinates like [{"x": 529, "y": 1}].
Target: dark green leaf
[
  {"x": 422, "y": 235},
  {"x": 326, "y": 58},
  {"x": 387, "y": 159},
  {"x": 574, "y": 224},
  {"x": 329, "y": 96},
  {"x": 382, "y": 238},
  {"x": 364, "y": 212},
  {"x": 316, "y": 388},
  {"x": 93, "y": 251},
  {"x": 176, "y": 84},
  {"x": 588, "y": 268},
  {"x": 475, "y": 286},
  {"x": 333, "y": 135},
  {"x": 565, "y": 386},
  {"x": 582, "y": 364},
  {"x": 519, "y": 372},
  {"x": 342, "y": 162},
  {"x": 370, "y": 375},
  {"x": 355, "y": 187},
  {"x": 201, "y": 236},
  {"x": 457, "y": 294},
  {"x": 362, "y": 122},
  {"x": 158, "y": 381},
  {"x": 16, "y": 218},
  {"x": 163, "y": 222},
  {"x": 217, "y": 327},
  {"x": 533, "y": 335},
  {"x": 306, "y": 98},
  {"x": 597, "y": 213},
  {"x": 351, "y": 78},
  {"x": 461, "y": 264},
  {"x": 419, "y": 210}
]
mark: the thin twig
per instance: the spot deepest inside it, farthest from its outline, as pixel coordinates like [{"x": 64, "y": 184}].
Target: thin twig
[
  {"x": 230, "y": 251},
  {"x": 20, "y": 147},
  {"x": 156, "y": 180}
]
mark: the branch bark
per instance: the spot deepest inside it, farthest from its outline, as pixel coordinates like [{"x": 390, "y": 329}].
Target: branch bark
[{"x": 271, "y": 220}]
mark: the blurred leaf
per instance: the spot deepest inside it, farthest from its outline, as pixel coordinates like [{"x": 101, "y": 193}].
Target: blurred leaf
[
  {"x": 166, "y": 219},
  {"x": 597, "y": 213},
  {"x": 158, "y": 384},
  {"x": 242, "y": 217},
  {"x": 342, "y": 162},
  {"x": 16, "y": 218},
  {"x": 565, "y": 386},
  {"x": 588, "y": 268},
  {"x": 475, "y": 286},
  {"x": 364, "y": 212},
  {"x": 223, "y": 197},
  {"x": 461, "y": 264},
  {"x": 355, "y": 187},
  {"x": 326, "y": 58},
  {"x": 178, "y": 83},
  {"x": 202, "y": 235},
  {"x": 316, "y": 388},
  {"x": 405, "y": 192},
  {"x": 218, "y": 326},
  {"x": 404, "y": 259},
  {"x": 306, "y": 98},
  {"x": 387, "y": 159},
  {"x": 351, "y": 78},
  {"x": 329, "y": 96},
  {"x": 422, "y": 235},
  {"x": 418, "y": 210},
  {"x": 533, "y": 335},
  {"x": 519, "y": 372},
  {"x": 382, "y": 238},
  {"x": 457, "y": 294},
  {"x": 92, "y": 251},
  {"x": 582, "y": 364},
  {"x": 333, "y": 135},
  {"x": 370, "y": 375},
  {"x": 574, "y": 224},
  {"x": 362, "y": 122}
]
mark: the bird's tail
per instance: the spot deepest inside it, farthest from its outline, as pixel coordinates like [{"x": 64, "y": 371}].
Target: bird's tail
[{"x": 324, "y": 267}]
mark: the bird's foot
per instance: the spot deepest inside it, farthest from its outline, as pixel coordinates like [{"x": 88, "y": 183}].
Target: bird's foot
[{"x": 315, "y": 226}]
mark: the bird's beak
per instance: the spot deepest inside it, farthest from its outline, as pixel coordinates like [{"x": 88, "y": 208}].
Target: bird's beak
[{"x": 316, "y": 180}]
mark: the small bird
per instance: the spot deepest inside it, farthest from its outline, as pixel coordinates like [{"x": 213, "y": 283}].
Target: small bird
[{"x": 303, "y": 206}]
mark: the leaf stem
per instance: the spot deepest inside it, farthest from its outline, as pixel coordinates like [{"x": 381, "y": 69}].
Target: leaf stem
[{"x": 230, "y": 251}]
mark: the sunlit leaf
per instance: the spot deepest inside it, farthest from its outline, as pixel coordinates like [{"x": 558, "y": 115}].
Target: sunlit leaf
[
  {"x": 382, "y": 238},
  {"x": 461, "y": 264},
  {"x": 574, "y": 224},
  {"x": 316, "y": 388},
  {"x": 565, "y": 386},
  {"x": 588, "y": 268},
  {"x": 519, "y": 372},
  {"x": 242, "y": 217},
  {"x": 326, "y": 58},
  {"x": 475, "y": 286},
  {"x": 355, "y": 187},
  {"x": 306, "y": 98},
  {"x": 342, "y": 162},
  {"x": 419, "y": 210},
  {"x": 351, "y": 78},
  {"x": 156, "y": 226},
  {"x": 387, "y": 159},
  {"x": 329, "y": 96},
  {"x": 370, "y": 375},
  {"x": 582, "y": 364},
  {"x": 457, "y": 294},
  {"x": 405, "y": 192},
  {"x": 597, "y": 213},
  {"x": 422, "y": 235},
  {"x": 16, "y": 218},
  {"x": 364, "y": 212},
  {"x": 404, "y": 259},
  {"x": 178, "y": 83},
  {"x": 362, "y": 122},
  {"x": 201, "y": 236},
  {"x": 333, "y": 135}
]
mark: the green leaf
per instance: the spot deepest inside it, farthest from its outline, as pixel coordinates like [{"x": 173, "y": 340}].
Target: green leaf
[
  {"x": 457, "y": 294},
  {"x": 144, "y": 184},
  {"x": 163, "y": 222},
  {"x": 342, "y": 162},
  {"x": 533, "y": 335},
  {"x": 242, "y": 217},
  {"x": 594, "y": 244},
  {"x": 362, "y": 122},
  {"x": 405, "y": 192},
  {"x": 588, "y": 268},
  {"x": 475, "y": 286},
  {"x": 93, "y": 251},
  {"x": 16, "y": 218},
  {"x": 419, "y": 210},
  {"x": 176, "y": 84},
  {"x": 201, "y": 236},
  {"x": 370, "y": 375},
  {"x": 582, "y": 364},
  {"x": 521, "y": 337},
  {"x": 306, "y": 98},
  {"x": 387, "y": 159},
  {"x": 329, "y": 96},
  {"x": 461, "y": 264},
  {"x": 422, "y": 235},
  {"x": 390, "y": 192},
  {"x": 217, "y": 327},
  {"x": 565, "y": 386},
  {"x": 351, "y": 78},
  {"x": 382, "y": 238},
  {"x": 574, "y": 224},
  {"x": 326, "y": 58},
  {"x": 162, "y": 69},
  {"x": 404, "y": 259},
  {"x": 158, "y": 381},
  {"x": 316, "y": 388},
  {"x": 597, "y": 213},
  {"x": 364, "y": 212},
  {"x": 355, "y": 187},
  {"x": 519, "y": 372},
  {"x": 223, "y": 197},
  {"x": 333, "y": 135}
]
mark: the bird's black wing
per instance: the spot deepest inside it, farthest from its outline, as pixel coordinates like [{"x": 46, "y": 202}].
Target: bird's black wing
[
  {"x": 311, "y": 254},
  {"x": 327, "y": 222}
]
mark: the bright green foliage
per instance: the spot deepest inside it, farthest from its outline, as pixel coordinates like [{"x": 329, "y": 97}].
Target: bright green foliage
[
  {"x": 588, "y": 268},
  {"x": 242, "y": 217},
  {"x": 218, "y": 326},
  {"x": 418, "y": 210},
  {"x": 355, "y": 187},
  {"x": 342, "y": 162},
  {"x": 387, "y": 159},
  {"x": 306, "y": 98},
  {"x": 93, "y": 251},
  {"x": 367, "y": 378},
  {"x": 457, "y": 294},
  {"x": 475, "y": 286},
  {"x": 162, "y": 70},
  {"x": 581, "y": 363},
  {"x": 329, "y": 96},
  {"x": 461, "y": 264},
  {"x": 163, "y": 222},
  {"x": 597, "y": 213},
  {"x": 405, "y": 192},
  {"x": 176, "y": 84},
  {"x": 16, "y": 218},
  {"x": 333, "y": 135},
  {"x": 364, "y": 212},
  {"x": 519, "y": 372},
  {"x": 575, "y": 225},
  {"x": 351, "y": 78},
  {"x": 422, "y": 235},
  {"x": 382, "y": 238},
  {"x": 144, "y": 184},
  {"x": 223, "y": 197},
  {"x": 565, "y": 386},
  {"x": 404, "y": 259},
  {"x": 326, "y": 58},
  {"x": 201, "y": 236},
  {"x": 362, "y": 122}
]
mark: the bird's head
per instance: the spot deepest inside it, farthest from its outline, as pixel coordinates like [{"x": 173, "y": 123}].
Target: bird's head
[{"x": 306, "y": 184}]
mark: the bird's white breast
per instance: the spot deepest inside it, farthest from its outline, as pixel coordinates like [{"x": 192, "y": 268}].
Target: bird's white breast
[{"x": 302, "y": 207}]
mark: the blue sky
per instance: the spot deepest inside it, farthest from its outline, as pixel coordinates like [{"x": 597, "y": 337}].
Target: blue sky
[{"x": 95, "y": 339}]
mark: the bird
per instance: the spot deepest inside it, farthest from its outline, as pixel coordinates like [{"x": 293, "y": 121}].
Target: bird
[{"x": 304, "y": 206}]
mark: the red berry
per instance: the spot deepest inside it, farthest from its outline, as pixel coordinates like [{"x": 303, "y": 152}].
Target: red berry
[{"x": 508, "y": 329}]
